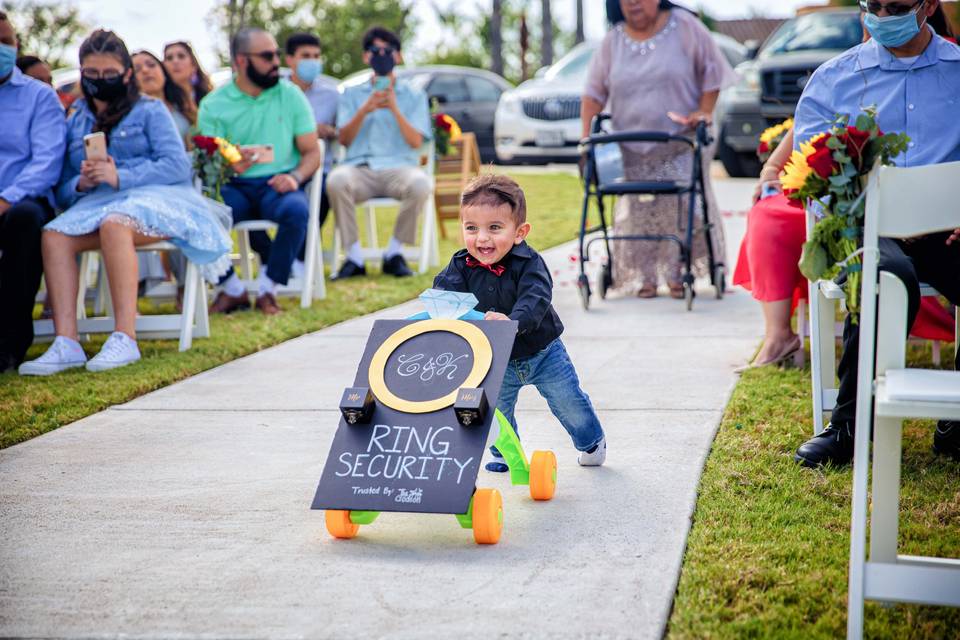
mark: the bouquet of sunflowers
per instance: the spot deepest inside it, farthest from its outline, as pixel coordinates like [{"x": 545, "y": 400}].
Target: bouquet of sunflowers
[
  {"x": 213, "y": 160},
  {"x": 828, "y": 174},
  {"x": 772, "y": 137},
  {"x": 445, "y": 131}
]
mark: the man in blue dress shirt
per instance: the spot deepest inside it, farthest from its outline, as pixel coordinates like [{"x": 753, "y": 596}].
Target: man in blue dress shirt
[
  {"x": 913, "y": 77},
  {"x": 31, "y": 155},
  {"x": 383, "y": 122}
]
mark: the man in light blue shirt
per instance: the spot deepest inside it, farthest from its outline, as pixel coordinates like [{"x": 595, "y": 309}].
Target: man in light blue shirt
[
  {"x": 31, "y": 155},
  {"x": 913, "y": 77},
  {"x": 383, "y": 122}
]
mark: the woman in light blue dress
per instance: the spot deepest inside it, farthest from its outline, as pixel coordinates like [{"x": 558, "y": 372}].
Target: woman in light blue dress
[{"x": 140, "y": 194}]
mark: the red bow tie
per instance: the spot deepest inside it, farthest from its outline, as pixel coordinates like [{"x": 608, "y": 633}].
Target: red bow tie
[{"x": 495, "y": 269}]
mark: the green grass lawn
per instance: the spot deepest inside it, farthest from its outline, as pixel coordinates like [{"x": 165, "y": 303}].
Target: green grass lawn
[
  {"x": 32, "y": 406},
  {"x": 768, "y": 551}
]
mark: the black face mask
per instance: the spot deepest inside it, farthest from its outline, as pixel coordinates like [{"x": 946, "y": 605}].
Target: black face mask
[
  {"x": 262, "y": 80},
  {"x": 382, "y": 62},
  {"x": 106, "y": 89}
]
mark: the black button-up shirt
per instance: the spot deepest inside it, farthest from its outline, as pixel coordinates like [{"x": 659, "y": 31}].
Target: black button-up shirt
[{"x": 523, "y": 292}]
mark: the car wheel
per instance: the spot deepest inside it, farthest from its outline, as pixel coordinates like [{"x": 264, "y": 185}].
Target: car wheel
[{"x": 731, "y": 159}]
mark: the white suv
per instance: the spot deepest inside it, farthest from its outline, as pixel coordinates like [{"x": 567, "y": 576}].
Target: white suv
[{"x": 539, "y": 121}]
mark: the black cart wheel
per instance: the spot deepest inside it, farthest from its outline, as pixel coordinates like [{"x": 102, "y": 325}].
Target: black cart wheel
[
  {"x": 583, "y": 288},
  {"x": 720, "y": 280},
  {"x": 606, "y": 281}
]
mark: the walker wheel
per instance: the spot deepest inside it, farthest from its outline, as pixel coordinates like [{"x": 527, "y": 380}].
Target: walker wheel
[
  {"x": 688, "y": 295},
  {"x": 606, "y": 281},
  {"x": 543, "y": 475},
  {"x": 487, "y": 516},
  {"x": 583, "y": 288},
  {"x": 339, "y": 524},
  {"x": 720, "y": 281}
]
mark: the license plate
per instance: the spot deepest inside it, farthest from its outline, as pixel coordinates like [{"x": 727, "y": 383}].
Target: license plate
[{"x": 549, "y": 138}]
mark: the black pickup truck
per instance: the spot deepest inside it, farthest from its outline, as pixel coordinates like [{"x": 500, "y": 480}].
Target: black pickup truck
[{"x": 770, "y": 84}]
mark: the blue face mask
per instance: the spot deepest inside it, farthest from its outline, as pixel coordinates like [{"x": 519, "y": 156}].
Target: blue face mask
[
  {"x": 893, "y": 31},
  {"x": 308, "y": 70},
  {"x": 8, "y": 57}
]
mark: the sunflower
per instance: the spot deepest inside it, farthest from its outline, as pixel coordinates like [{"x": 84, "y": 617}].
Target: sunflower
[
  {"x": 776, "y": 131},
  {"x": 797, "y": 170}
]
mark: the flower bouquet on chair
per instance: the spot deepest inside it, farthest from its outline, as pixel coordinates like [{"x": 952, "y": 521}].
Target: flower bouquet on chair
[
  {"x": 445, "y": 131},
  {"x": 213, "y": 160},
  {"x": 828, "y": 174}
]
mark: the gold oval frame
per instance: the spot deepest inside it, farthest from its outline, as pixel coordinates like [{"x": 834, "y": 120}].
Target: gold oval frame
[{"x": 482, "y": 359}]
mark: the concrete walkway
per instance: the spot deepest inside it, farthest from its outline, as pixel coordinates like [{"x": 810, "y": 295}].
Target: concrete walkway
[{"x": 185, "y": 513}]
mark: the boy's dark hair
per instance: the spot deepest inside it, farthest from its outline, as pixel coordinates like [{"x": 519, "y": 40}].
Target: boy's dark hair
[
  {"x": 492, "y": 190},
  {"x": 380, "y": 33},
  {"x": 298, "y": 40}
]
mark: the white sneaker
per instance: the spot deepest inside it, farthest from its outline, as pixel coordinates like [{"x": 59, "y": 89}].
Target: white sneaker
[
  {"x": 596, "y": 458},
  {"x": 118, "y": 351},
  {"x": 65, "y": 353}
]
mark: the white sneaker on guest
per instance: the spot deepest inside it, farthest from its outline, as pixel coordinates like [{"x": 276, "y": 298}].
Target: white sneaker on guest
[
  {"x": 118, "y": 351},
  {"x": 65, "y": 353},
  {"x": 596, "y": 457}
]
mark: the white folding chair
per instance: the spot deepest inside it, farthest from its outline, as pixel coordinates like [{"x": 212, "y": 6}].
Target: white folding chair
[
  {"x": 312, "y": 285},
  {"x": 192, "y": 322},
  {"x": 901, "y": 203},
  {"x": 428, "y": 253},
  {"x": 824, "y": 330}
]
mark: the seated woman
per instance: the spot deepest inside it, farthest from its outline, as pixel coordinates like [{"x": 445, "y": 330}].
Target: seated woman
[
  {"x": 767, "y": 266},
  {"x": 155, "y": 81},
  {"x": 140, "y": 194}
]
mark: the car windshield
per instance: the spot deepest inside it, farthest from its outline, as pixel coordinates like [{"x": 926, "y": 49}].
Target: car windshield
[
  {"x": 572, "y": 65},
  {"x": 827, "y": 30}
]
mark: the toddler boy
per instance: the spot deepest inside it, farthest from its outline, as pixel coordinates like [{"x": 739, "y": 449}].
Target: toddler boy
[{"x": 511, "y": 282}]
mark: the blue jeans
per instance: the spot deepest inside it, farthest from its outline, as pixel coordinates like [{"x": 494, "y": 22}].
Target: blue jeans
[
  {"x": 253, "y": 199},
  {"x": 552, "y": 373}
]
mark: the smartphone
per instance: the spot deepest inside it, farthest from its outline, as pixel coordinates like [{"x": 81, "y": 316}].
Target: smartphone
[
  {"x": 95, "y": 146},
  {"x": 381, "y": 83},
  {"x": 262, "y": 153}
]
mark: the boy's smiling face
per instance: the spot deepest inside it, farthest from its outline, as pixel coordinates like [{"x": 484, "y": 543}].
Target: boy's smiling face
[{"x": 490, "y": 232}]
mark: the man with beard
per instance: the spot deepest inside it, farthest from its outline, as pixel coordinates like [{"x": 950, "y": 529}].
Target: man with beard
[
  {"x": 272, "y": 122},
  {"x": 383, "y": 121}
]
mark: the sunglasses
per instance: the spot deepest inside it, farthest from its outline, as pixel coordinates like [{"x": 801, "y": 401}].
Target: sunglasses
[
  {"x": 266, "y": 56},
  {"x": 384, "y": 51},
  {"x": 893, "y": 9}
]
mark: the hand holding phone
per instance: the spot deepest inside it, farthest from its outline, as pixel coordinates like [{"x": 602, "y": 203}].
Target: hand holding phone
[{"x": 381, "y": 83}]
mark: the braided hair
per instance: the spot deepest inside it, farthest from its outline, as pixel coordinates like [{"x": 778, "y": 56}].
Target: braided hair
[{"x": 109, "y": 43}]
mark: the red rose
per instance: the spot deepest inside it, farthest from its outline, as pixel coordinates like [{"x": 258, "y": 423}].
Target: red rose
[
  {"x": 206, "y": 143},
  {"x": 856, "y": 141},
  {"x": 821, "y": 142},
  {"x": 822, "y": 162},
  {"x": 763, "y": 148}
]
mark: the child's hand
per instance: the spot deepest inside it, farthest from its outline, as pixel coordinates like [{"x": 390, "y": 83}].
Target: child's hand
[{"x": 494, "y": 315}]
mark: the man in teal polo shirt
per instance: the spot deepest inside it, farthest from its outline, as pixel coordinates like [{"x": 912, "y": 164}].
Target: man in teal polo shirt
[{"x": 274, "y": 120}]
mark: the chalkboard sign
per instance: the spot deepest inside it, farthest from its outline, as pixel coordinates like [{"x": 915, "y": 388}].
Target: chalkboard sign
[{"x": 413, "y": 455}]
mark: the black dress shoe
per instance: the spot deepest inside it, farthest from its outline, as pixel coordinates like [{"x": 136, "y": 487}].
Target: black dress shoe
[
  {"x": 833, "y": 446},
  {"x": 397, "y": 266},
  {"x": 349, "y": 269},
  {"x": 8, "y": 364},
  {"x": 946, "y": 439}
]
